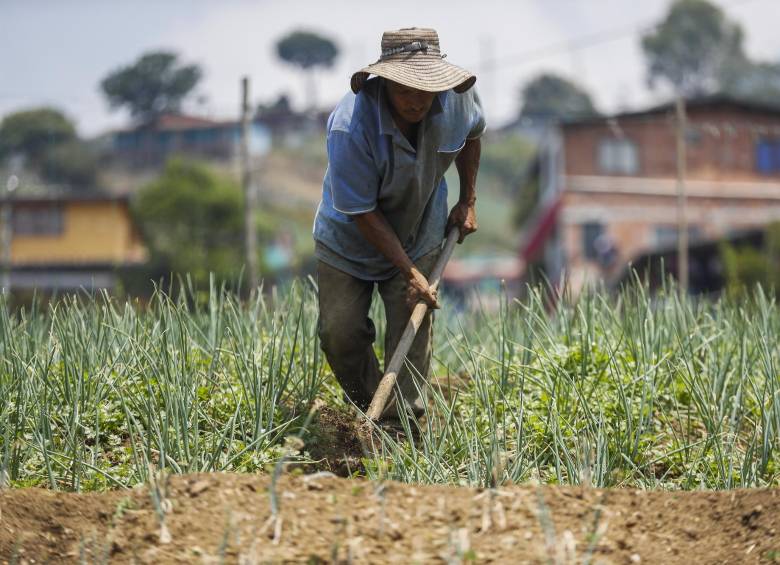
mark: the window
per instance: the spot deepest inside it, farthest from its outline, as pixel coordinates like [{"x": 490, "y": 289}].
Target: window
[
  {"x": 38, "y": 220},
  {"x": 768, "y": 156},
  {"x": 666, "y": 236},
  {"x": 618, "y": 157},
  {"x": 591, "y": 231}
]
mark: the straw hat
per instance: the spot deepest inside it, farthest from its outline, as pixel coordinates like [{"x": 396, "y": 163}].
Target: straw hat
[{"x": 412, "y": 57}]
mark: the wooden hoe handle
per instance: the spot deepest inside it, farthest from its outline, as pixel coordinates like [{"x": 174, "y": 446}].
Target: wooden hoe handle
[{"x": 385, "y": 388}]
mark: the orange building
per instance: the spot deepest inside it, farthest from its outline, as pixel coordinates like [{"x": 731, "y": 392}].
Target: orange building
[
  {"x": 70, "y": 242},
  {"x": 607, "y": 187}
]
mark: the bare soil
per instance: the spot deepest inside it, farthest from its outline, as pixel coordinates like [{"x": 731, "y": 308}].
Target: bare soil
[
  {"x": 213, "y": 518},
  {"x": 334, "y": 445}
]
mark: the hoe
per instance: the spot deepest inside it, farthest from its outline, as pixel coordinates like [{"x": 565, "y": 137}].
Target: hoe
[{"x": 385, "y": 388}]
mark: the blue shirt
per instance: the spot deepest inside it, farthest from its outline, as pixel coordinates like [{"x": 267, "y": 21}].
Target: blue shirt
[{"x": 371, "y": 165}]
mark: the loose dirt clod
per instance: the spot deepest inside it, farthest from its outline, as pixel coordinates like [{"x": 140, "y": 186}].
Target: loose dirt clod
[
  {"x": 341, "y": 519},
  {"x": 198, "y": 487}
]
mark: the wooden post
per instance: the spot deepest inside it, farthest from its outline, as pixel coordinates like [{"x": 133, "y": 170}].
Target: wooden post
[
  {"x": 385, "y": 388},
  {"x": 250, "y": 197},
  {"x": 682, "y": 201}
]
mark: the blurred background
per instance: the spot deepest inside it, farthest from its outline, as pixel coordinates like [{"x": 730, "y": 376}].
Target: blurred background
[{"x": 142, "y": 140}]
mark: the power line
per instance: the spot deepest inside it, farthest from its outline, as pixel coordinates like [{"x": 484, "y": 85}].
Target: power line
[
  {"x": 567, "y": 45},
  {"x": 582, "y": 42}
]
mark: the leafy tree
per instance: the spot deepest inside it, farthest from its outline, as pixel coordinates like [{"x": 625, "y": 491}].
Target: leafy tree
[
  {"x": 691, "y": 47},
  {"x": 551, "y": 97},
  {"x": 155, "y": 84},
  {"x": 745, "y": 266},
  {"x": 32, "y": 132},
  {"x": 755, "y": 81},
  {"x": 49, "y": 142},
  {"x": 504, "y": 160},
  {"x": 72, "y": 163},
  {"x": 192, "y": 221},
  {"x": 280, "y": 107},
  {"x": 308, "y": 51}
]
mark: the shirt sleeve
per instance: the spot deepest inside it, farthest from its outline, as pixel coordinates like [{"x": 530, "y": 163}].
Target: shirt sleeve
[
  {"x": 354, "y": 178},
  {"x": 476, "y": 116}
]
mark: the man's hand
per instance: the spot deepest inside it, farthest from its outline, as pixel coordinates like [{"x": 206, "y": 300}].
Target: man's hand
[
  {"x": 418, "y": 290},
  {"x": 464, "y": 217}
]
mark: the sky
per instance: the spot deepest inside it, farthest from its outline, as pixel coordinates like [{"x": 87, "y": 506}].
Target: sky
[{"x": 55, "y": 52}]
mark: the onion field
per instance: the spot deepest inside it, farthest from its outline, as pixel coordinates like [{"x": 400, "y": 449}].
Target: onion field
[{"x": 609, "y": 390}]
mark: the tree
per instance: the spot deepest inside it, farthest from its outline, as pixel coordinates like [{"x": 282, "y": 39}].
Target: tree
[
  {"x": 192, "y": 221},
  {"x": 308, "y": 51},
  {"x": 32, "y": 132},
  {"x": 754, "y": 81},
  {"x": 745, "y": 266},
  {"x": 551, "y": 97},
  {"x": 280, "y": 107},
  {"x": 155, "y": 84},
  {"x": 72, "y": 163},
  {"x": 691, "y": 47},
  {"x": 48, "y": 141}
]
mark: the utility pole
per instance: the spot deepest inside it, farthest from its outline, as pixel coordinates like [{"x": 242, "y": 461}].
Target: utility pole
[
  {"x": 250, "y": 196},
  {"x": 487, "y": 68},
  {"x": 682, "y": 204}
]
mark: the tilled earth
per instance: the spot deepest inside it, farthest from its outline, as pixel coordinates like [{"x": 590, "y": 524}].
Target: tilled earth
[{"x": 214, "y": 518}]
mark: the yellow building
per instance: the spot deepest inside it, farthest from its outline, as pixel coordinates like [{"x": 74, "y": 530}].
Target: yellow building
[{"x": 70, "y": 242}]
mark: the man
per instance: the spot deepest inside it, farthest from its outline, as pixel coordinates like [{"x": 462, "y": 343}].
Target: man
[{"x": 383, "y": 213}]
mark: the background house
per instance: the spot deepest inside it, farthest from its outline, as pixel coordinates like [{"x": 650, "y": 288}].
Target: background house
[
  {"x": 152, "y": 143},
  {"x": 71, "y": 241},
  {"x": 608, "y": 190}
]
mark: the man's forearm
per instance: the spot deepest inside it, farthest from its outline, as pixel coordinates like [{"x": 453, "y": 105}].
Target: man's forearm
[
  {"x": 379, "y": 233},
  {"x": 376, "y": 229},
  {"x": 467, "y": 163}
]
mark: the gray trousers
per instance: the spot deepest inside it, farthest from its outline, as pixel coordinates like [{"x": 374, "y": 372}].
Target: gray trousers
[{"x": 347, "y": 333}]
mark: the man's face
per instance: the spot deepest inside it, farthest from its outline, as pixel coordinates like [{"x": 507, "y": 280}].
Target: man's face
[{"x": 409, "y": 103}]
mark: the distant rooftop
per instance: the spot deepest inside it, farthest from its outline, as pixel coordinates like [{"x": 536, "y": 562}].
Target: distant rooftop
[
  {"x": 31, "y": 191},
  {"x": 180, "y": 122},
  {"x": 691, "y": 103}
]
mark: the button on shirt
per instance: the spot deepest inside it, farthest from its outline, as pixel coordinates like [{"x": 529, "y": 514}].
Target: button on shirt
[{"x": 371, "y": 165}]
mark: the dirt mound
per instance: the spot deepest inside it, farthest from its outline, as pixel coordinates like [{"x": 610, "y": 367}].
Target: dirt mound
[
  {"x": 333, "y": 443},
  {"x": 221, "y": 517}
]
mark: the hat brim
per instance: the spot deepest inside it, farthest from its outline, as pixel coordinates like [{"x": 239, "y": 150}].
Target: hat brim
[{"x": 429, "y": 75}]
